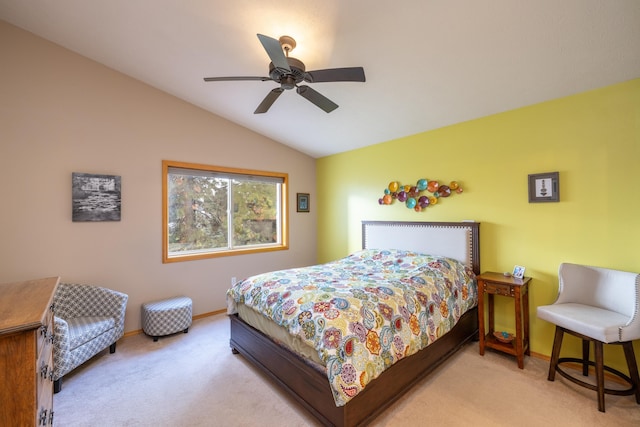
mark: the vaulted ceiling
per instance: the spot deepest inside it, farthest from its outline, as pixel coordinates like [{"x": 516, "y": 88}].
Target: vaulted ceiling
[{"x": 428, "y": 63}]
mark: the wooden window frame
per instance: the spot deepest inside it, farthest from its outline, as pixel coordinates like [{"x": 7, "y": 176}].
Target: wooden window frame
[{"x": 167, "y": 165}]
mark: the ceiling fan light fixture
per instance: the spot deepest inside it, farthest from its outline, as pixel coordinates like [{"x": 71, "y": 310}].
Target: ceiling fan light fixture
[{"x": 288, "y": 82}]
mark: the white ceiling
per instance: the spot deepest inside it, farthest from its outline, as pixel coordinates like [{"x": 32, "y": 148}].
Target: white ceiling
[{"x": 428, "y": 63}]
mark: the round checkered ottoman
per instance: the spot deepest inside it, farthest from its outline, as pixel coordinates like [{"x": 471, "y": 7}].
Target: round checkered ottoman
[{"x": 166, "y": 317}]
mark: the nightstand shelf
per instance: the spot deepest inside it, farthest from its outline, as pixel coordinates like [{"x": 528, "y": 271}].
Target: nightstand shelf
[{"x": 492, "y": 284}]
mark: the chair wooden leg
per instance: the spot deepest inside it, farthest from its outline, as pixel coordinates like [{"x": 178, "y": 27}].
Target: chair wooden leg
[
  {"x": 633, "y": 380},
  {"x": 585, "y": 358},
  {"x": 599, "y": 373},
  {"x": 555, "y": 353},
  {"x": 629, "y": 354}
]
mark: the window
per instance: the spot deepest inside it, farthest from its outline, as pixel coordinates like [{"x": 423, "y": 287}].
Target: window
[{"x": 210, "y": 211}]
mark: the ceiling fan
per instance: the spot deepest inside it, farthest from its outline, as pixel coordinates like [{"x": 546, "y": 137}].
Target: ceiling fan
[{"x": 290, "y": 72}]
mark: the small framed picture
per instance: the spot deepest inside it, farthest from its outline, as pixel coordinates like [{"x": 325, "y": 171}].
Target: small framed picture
[
  {"x": 544, "y": 187},
  {"x": 303, "y": 202},
  {"x": 518, "y": 272}
]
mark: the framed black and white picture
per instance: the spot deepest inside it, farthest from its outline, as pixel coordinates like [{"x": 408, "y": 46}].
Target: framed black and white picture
[
  {"x": 303, "y": 202},
  {"x": 95, "y": 197},
  {"x": 544, "y": 187}
]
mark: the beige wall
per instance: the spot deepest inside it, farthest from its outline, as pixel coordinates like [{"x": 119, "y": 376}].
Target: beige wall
[{"x": 62, "y": 113}]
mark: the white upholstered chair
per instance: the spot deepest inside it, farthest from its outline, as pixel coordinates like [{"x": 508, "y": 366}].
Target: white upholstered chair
[{"x": 597, "y": 305}]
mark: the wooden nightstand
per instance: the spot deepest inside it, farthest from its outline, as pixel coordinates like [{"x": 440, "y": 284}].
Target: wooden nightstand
[{"x": 491, "y": 283}]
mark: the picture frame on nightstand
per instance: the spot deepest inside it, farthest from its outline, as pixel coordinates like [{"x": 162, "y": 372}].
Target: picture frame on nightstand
[{"x": 518, "y": 272}]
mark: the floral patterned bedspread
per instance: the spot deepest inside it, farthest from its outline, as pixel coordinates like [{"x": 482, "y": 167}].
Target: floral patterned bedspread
[{"x": 364, "y": 312}]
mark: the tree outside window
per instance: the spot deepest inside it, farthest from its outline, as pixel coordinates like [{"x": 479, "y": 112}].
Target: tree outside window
[{"x": 215, "y": 211}]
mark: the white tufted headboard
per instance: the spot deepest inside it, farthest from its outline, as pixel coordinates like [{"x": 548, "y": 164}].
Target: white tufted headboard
[{"x": 458, "y": 240}]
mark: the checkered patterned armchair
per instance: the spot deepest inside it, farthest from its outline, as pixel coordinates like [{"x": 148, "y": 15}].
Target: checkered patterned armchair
[{"x": 87, "y": 319}]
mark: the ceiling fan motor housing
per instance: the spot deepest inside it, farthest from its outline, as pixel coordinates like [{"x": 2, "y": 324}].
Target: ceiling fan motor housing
[{"x": 288, "y": 79}]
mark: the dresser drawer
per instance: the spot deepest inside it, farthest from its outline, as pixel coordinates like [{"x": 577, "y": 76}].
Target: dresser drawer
[
  {"x": 44, "y": 338},
  {"x": 44, "y": 367},
  {"x": 44, "y": 408}
]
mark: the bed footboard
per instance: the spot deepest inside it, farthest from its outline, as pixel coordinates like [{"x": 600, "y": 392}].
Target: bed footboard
[{"x": 310, "y": 388}]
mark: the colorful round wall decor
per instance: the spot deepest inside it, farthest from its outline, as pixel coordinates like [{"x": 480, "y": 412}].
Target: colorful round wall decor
[{"x": 417, "y": 196}]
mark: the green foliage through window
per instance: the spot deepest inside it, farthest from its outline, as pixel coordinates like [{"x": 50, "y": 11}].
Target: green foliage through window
[{"x": 213, "y": 211}]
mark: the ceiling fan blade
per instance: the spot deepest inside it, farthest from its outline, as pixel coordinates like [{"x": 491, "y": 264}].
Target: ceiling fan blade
[
  {"x": 350, "y": 74},
  {"x": 318, "y": 99},
  {"x": 268, "y": 101},
  {"x": 227, "y": 79},
  {"x": 275, "y": 52}
]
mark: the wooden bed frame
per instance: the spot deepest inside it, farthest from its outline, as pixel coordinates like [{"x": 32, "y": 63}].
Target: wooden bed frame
[{"x": 310, "y": 387}]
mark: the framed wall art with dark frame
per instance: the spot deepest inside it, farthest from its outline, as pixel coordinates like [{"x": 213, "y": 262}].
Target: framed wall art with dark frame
[
  {"x": 303, "y": 202},
  {"x": 95, "y": 198},
  {"x": 544, "y": 187}
]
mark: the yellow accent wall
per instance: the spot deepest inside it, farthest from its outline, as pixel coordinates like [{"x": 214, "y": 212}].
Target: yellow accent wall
[{"x": 592, "y": 139}]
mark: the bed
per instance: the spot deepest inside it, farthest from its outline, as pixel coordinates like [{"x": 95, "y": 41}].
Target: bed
[{"x": 313, "y": 382}]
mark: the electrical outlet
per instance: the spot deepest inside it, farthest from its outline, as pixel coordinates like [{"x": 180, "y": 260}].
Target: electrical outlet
[{"x": 233, "y": 281}]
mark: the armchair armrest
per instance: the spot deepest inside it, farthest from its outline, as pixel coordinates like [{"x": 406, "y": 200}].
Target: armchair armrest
[
  {"x": 61, "y": 336},
  {"x": 631, "y": 331}
]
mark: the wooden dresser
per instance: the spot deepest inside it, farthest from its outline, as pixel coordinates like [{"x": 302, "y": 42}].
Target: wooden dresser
[{"x": 26, "y": 352}]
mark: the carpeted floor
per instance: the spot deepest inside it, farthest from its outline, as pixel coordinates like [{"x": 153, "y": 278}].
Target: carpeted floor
[{"x": 194, "y": 380}]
